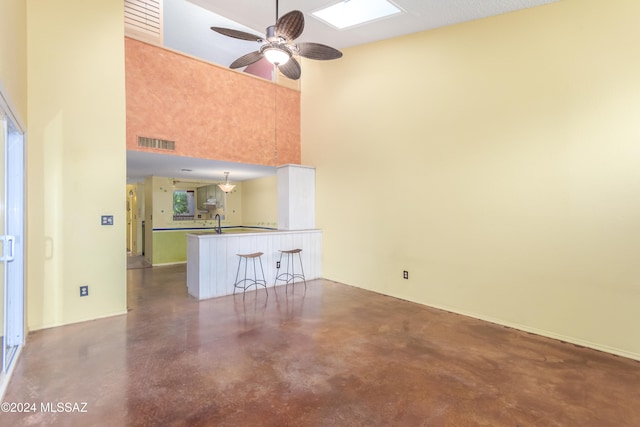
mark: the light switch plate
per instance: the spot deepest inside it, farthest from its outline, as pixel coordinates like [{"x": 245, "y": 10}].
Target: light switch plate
[{"x": 107, "y": 219}]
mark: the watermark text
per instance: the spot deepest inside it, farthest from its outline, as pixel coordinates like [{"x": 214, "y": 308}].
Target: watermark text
[{"x": 50, "y": 407}]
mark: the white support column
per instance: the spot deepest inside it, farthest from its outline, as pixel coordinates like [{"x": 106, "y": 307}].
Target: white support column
[{"x": 296, "y": 197}]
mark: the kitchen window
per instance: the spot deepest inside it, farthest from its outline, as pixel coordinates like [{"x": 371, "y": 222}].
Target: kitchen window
[{"x": 184, "y": 205}]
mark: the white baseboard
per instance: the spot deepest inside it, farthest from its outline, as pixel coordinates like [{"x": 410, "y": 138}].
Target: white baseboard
[{"x": 168, "y": 263}]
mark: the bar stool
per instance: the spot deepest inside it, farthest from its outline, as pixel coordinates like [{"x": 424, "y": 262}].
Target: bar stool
[
  {"x": 246, "y": 282},
  {"x": 290, "y": 277}
]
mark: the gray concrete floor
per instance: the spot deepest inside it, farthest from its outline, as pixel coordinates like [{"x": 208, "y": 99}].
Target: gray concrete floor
[
  {"x": 136, "y": 261},
  {"x": 332, "y": 355}
]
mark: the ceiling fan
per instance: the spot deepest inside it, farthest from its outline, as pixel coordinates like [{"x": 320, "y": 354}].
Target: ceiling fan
[{"x": 278, "y": 45}]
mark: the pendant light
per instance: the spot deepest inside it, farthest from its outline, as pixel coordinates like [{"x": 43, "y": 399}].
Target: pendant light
[{"x": 226, "y": 186}]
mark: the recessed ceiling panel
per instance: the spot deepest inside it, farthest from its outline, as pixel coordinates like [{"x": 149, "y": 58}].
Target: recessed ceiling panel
[{"x": 346, "y": 14}]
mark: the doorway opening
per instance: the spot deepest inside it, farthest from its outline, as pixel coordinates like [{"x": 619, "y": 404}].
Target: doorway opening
[{"x": 135, "y": 227}]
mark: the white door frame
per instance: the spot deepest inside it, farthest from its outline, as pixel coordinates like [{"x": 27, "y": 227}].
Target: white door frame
[{"x": 13, "y": 252}]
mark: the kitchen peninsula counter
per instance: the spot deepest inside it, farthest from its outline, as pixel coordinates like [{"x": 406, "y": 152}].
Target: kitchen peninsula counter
[{"x": 212, "y": 260}]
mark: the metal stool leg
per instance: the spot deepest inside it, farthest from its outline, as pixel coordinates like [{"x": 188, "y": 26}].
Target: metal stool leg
[
  {"x": 275, "y": 282},
  {"x": 290, "y": 275},
  {"x": 235, "y": 284},
  {"x": 264, "y": 279},
  {"x": 302, "y": 270},
  {"x": 247, "y": 282}
]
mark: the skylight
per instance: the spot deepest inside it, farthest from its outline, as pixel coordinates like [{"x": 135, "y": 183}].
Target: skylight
[{"x": 349, "y": 13}]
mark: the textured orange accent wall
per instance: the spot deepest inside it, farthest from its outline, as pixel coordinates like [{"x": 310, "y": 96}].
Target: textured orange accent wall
[{"x": 209, "y": 111}]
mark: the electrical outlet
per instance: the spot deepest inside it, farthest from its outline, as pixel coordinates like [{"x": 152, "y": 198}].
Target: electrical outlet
[
  {"x": 405, "y": 274},
  {"x": 277, "y": 264},
  {"x": 84, "y": 291}
]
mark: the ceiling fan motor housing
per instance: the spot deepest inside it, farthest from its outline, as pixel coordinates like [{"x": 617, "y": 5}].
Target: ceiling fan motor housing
[{"x": 271, "y": 34}]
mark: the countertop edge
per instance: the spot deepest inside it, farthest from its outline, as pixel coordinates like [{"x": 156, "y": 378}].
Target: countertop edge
[{"x": 211, "y": 235}]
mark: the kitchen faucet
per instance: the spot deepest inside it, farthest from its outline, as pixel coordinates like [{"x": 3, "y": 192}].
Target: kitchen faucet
[{"x": 219, "y": 229}]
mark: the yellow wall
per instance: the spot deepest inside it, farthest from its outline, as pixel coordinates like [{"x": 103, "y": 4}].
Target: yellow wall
[
  {"x": 497, "y": 161},
  {"x": 260, "y": 202},
  {"x": 163, "y": 206},
  {"x": 251, "y": 203},
  {"x": 76, "y": 161},
  {"x": 13, "y": 55},
  {"x": 168, "y": 247}
]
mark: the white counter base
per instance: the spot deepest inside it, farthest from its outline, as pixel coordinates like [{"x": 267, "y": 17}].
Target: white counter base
[{"x": 212, "y": 260}]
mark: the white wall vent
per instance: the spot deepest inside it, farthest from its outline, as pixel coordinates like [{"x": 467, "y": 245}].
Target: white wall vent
[
  {"x": 143, "y": 20},
  {"x": 163, "y": 144}
]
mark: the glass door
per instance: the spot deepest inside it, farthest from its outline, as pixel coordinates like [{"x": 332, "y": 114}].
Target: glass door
[
  {"x": 11, "y": 239},
  {"x": 14, "y": 229},
  {"x": 3, "y": 237}
]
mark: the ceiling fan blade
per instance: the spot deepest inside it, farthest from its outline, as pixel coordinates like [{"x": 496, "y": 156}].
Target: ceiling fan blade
[
  {"x": 290, "y": 26},
  {"x": 247, "y": 59},
  {"x": 237, "y": 34},
  {"x": 291, "y": 69},
  {"x": 318, "y": 51}
]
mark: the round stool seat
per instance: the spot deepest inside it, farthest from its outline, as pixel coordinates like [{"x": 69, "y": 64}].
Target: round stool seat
[{"x": 253, "y": 255}]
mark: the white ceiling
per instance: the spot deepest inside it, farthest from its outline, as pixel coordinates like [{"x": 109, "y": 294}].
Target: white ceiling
[
  {"x": 142, "y": 164},
  {"x": 420, "y": 15},
  {"x": 195, "y": 38}
]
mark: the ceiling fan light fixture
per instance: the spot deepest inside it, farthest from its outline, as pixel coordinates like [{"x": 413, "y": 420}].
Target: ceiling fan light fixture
[
  {"x": 278, "y": 46},
  {"x": 276, "y": 55}
]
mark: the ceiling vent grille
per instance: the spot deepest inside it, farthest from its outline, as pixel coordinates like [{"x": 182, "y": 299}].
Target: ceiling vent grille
[
  {"x": 143, "y": 19},
  {"x": 163, "y": 144}
]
